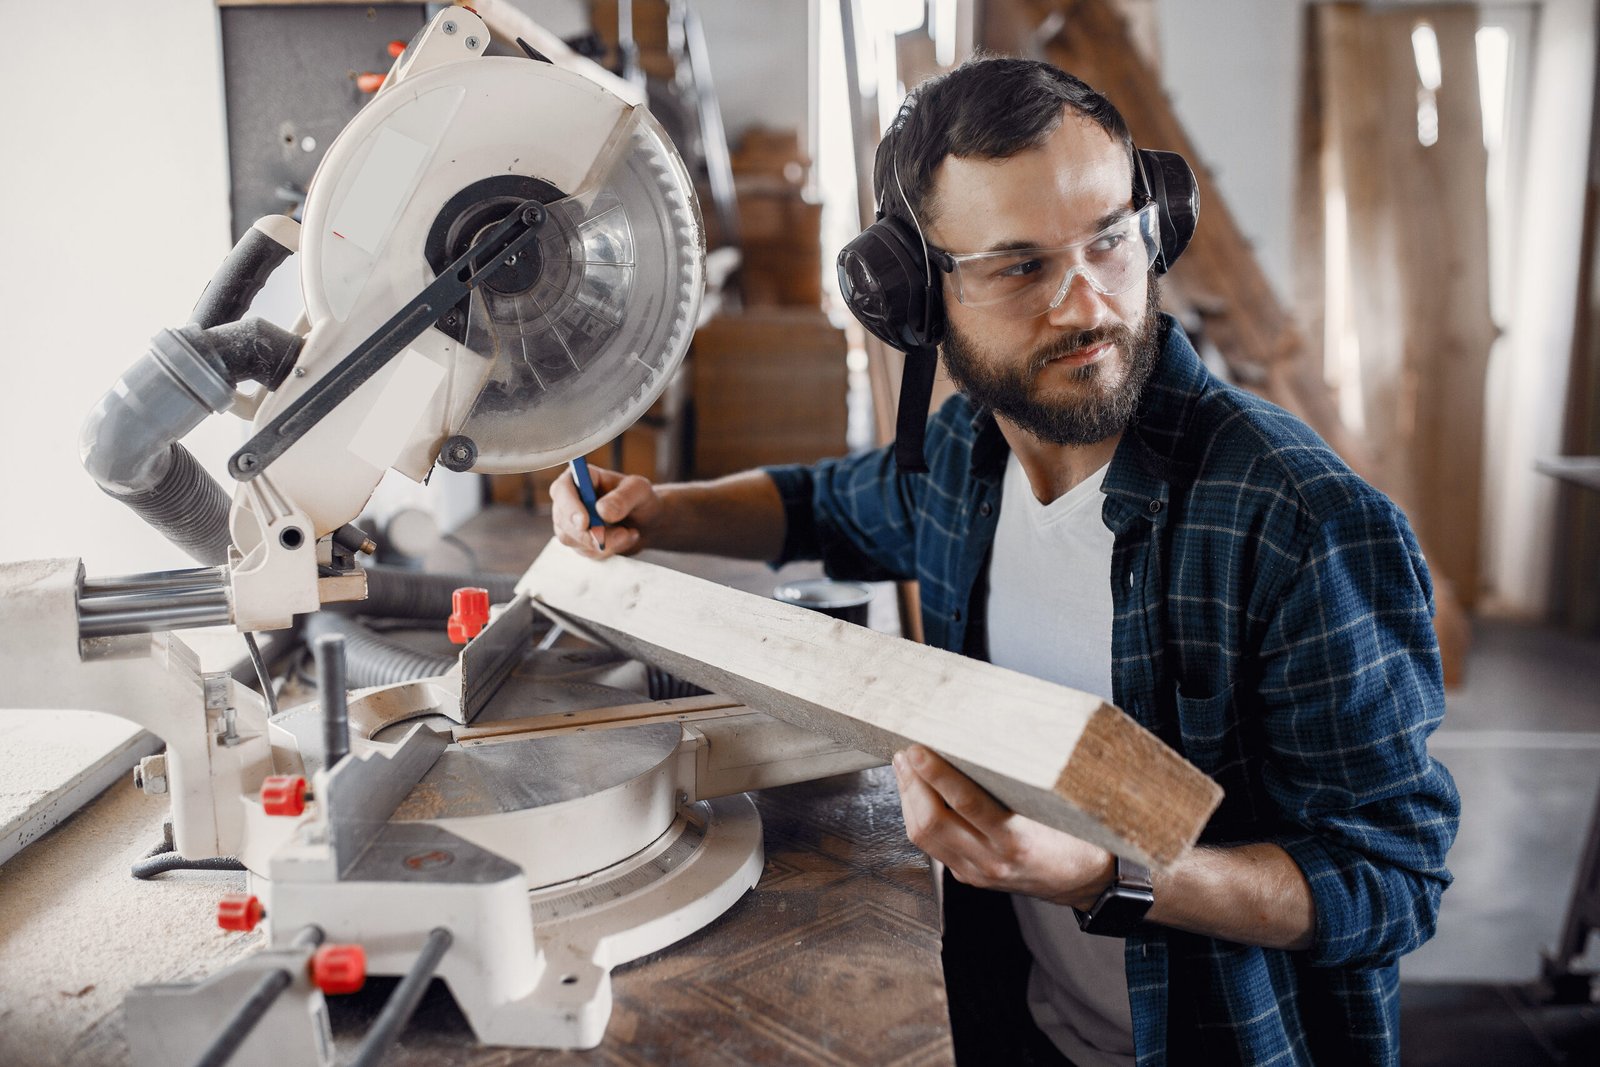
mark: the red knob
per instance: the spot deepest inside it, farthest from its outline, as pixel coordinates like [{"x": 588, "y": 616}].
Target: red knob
[
  {"x": 471, "y": 614},
  {"x": 370, "y": 81},
  {"x": 239, "y": 912},
  {"x": 395, "y": 48},
  {"x": 283, "y": 794},
  {"x": 339, "y": 968}
]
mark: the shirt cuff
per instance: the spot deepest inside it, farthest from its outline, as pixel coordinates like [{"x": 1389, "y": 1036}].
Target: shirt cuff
[
  {"x": 795, "y": 483},
  {"x": 1343, "y": 920}
]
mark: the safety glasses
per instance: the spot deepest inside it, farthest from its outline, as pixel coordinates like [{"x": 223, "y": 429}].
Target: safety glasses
[{"x": 1027, "y": 282}]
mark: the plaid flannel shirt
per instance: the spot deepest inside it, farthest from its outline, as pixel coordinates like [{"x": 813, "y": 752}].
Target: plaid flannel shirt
[{"x": 1273, "y": 623}]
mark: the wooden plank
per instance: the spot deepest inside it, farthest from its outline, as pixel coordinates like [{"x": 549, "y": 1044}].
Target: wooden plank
[
  {"x": 1411, "y": 210},
  {"x": 68, "y": 758},
  {"x": 1057, "y": 755}
]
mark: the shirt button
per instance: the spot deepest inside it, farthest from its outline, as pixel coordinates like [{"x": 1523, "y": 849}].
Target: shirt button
[
  {"x": 985, "y": 509},
  {"x": 1155, "y": 507}
]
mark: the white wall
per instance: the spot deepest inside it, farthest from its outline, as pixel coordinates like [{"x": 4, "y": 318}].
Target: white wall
[
  {"x": 1232, "y": 70},
  {"x": 113, "y": 214}
]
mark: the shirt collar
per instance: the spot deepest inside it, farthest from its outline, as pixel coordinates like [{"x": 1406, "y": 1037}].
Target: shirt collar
[{"x": 1150, "y": 459}]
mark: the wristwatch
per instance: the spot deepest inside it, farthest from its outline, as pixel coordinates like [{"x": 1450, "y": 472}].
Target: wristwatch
[{"x": 1122, "y": 906}]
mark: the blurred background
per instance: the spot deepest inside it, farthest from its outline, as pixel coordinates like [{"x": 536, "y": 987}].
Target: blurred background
[{"x": 1397, "y": 242}]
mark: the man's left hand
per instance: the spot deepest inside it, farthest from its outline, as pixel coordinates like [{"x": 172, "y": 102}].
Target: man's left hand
[{"x": 952, "y": 819}]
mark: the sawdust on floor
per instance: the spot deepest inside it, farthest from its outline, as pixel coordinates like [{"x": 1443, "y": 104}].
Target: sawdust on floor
[{"x": 77, "y": 931}]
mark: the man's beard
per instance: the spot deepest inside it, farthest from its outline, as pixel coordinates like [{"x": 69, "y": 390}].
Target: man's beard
[{"x": 1083, "y": 420}]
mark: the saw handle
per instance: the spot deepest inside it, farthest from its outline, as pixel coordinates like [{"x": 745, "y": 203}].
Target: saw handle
[{"x": 241, "y": 275}]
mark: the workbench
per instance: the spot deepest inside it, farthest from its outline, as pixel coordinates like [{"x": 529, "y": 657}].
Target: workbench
[{"x": 832, "y": 959}]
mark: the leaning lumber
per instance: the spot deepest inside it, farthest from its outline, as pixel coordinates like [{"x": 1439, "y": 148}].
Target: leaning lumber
[{"x": 1059, "y": 756}]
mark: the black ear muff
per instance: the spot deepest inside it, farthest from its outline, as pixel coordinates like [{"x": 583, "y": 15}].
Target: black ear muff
[
  {"x": 1165, "y": 177},
  {"x": 885, "y": 281},
  {"x": 887, "y": 284}
]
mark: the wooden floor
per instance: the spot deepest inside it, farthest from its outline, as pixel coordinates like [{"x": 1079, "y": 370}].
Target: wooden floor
[{"x": 832, "y": 959}]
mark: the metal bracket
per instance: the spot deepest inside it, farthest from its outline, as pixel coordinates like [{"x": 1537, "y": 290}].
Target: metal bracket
[{"x": 486, "y": 256}]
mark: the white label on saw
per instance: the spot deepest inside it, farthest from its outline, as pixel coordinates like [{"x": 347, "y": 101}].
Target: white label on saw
[
  {"x": 393, "y": 416},
  {"x": 380, "y": 190}
]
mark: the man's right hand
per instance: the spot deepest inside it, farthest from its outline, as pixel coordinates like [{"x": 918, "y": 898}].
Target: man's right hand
[
  {"x": 628, "y": 503},
  {"x": 740, "y": 515}
]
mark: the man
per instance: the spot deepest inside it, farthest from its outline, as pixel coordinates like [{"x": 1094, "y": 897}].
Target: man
[{"x": 1101, "y": 511}]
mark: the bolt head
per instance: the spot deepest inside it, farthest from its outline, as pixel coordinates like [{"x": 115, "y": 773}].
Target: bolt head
[
  {"x": 472, "y": 42},
  {"x": 248, "y": 461},
  {"x": 449, "y": 27}
]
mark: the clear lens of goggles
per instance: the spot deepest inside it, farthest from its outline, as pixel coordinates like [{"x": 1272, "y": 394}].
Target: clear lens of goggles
[{"x": 1030, "y": 281}]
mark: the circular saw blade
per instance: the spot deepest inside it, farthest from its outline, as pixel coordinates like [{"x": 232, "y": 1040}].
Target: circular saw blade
[{"x": 577, "y": 356}]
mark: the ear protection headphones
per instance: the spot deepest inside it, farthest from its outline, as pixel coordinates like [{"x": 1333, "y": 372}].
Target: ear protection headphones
[{"x": 890, "y": 285}]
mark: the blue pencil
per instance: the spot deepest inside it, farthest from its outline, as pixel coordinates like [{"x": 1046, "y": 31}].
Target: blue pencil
[{"x": 580, "y": 475}]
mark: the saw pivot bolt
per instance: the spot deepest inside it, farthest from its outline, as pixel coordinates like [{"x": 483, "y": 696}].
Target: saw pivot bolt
[
  {"x": 459, "y": 453},
  {"x": 283, "y": 794},
  {"x": 339, "y": 968},
  {"x": 239, "y": 912},
  {"x": 470, "y": 614}
]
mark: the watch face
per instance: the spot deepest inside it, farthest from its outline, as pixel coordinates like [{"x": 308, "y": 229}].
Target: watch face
[{"x": 1117, "y": 912}]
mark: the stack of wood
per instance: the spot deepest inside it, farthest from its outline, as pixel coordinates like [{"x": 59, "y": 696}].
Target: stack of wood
[
  {"x": 770, "y": 381},
  {"x": 769, "y": 387},
  {"x": 780, "y": 228}
]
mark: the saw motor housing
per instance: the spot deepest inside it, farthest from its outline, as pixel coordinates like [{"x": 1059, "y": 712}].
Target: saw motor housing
[{"x": 554, "y": 350}]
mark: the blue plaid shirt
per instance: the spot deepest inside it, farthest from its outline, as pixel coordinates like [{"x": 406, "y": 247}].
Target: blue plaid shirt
[{"x": 1273, "y": 623}]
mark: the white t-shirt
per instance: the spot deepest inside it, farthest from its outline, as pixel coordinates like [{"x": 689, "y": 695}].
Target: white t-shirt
[{"x": 1049, "y": 616}]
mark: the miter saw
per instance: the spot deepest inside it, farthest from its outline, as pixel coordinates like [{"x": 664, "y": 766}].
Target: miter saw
[{"x": 501, "y": 263}]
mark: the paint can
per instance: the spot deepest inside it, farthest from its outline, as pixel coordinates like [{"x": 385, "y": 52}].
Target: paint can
[{"x": 838, "y": 599}]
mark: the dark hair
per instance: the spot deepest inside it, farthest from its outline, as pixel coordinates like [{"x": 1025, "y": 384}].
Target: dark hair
[{"x": 990, "y": 107}]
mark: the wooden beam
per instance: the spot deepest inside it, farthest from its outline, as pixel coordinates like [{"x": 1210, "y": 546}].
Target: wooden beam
[{"x": 1062, "y": 757}]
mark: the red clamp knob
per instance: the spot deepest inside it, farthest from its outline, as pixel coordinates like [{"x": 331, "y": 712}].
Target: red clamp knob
[
  {"x": 239, "y": 912},
  {"x": 283, "y": 794},
  {"x": 395, "y": 48},
  {"x": 370, "y": 81},
  {"x": 339, "y": 968},
  {"x": 470, "y": 614}
]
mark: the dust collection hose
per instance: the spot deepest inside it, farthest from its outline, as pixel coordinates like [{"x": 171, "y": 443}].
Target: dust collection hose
[
  {"x": 186, "y": 506},
  {"x": 372, "y": 658},
  {"x": 129, "y": 443}
]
